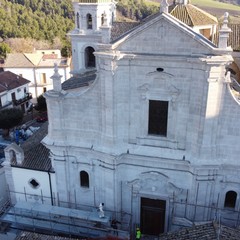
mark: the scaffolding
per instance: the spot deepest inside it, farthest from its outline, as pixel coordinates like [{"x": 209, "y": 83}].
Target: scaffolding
[
  {"x": 81, "y": 221},
  {"x": 188, "y": 214}
]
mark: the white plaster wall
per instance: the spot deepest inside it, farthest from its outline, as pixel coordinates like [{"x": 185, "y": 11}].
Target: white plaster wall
[
  {"x": 79, "y": 44},
  {"x": 3, "y": 187},
  {"x": 202, "y": 27},
  {"x": 21, "y": 178},
  {"x": 19, "y": 93}
]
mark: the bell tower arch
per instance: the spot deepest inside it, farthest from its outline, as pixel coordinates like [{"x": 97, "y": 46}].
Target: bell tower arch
[{"x": 91, "y": 16}]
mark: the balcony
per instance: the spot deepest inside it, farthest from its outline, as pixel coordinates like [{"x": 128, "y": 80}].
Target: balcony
[{"x": 27, "y": 97}]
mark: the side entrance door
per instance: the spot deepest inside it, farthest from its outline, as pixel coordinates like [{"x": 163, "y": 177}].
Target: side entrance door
[{"x": 152, "y": 216}]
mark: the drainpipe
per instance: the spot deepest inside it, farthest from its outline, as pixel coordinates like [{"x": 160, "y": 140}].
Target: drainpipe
[
  {"x": 50, "y": 185},
  {"x": 35, "y": 82}
]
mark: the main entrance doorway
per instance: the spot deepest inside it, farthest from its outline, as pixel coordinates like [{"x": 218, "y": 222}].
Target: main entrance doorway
[{"x": 152, "y": 216}]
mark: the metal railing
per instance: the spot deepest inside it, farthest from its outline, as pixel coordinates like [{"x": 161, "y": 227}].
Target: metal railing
[{"x": 27, "y": 97}]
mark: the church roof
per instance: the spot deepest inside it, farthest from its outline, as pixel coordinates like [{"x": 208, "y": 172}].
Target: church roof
[
  {"x": 79, "y": 80},
  {"x": 24, "y": 235},
  {"x": 36, "y": 155},
  {"x": 203, "y": 232},
  {"x": 121, "y": 28},
  {"x": 192, "y": 15}
]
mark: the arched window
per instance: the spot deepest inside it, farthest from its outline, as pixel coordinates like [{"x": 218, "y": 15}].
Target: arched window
[
  {"x": 84, "y": 179},
  {"x": 230, "y": 199},
  {"x": 89, "y": 21},
  {"x": 89, "y": 57}
]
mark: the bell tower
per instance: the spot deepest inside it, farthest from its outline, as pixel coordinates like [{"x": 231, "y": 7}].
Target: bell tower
[{"x": 91, "y": 16}]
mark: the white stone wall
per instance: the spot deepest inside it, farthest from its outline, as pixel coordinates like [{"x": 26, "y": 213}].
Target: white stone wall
[
  {"x": 4, "y": 195},
  {"x": 25, "y": 192},
  {"x": 103, "y": 129},
  {"x": 96, "y": 10}
]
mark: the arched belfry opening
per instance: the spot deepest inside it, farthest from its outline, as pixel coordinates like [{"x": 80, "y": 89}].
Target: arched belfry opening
[
  {"x": 89, "y": 21},
  {"x": 90, "y": 60}
]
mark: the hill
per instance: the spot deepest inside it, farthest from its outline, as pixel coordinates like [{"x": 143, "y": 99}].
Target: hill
[
  {"x": 48, "y": 21},
  {"x": 44, "y": 20}
]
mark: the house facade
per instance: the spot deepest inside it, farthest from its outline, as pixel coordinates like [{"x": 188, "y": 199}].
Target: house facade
[
  {"x": 14, "y": 91},
  {"x": 38, "y": 68}
]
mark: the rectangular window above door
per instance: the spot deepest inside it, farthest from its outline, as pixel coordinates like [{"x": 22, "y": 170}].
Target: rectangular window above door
[{"x": 158, "y": 117}]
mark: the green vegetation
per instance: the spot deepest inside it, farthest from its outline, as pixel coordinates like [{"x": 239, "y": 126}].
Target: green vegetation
[
  {"x": 4, "y": 49},
  {"x": 137, "y": 9},
  {"x": 42, "y": 20},
  {"x": 29, "y": 24},
  {"x": 9, "y": 118},
  {"x": 215, "y": 4},
  {"x": 41, "y": 104}
]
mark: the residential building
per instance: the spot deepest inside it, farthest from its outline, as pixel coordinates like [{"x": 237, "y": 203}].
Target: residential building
[
  {"x": 14, "y": 91},
  {"x": 38, "y": 68}
]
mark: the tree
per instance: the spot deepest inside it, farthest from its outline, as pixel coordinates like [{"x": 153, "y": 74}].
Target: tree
[
  {"x": 9, "y": 118},
  {"x": 41, "y": 103},
  {"x": 4, "y": 49}
]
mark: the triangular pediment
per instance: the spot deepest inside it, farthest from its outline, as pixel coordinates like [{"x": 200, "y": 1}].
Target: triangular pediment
[{"x": 164, "y": 34}]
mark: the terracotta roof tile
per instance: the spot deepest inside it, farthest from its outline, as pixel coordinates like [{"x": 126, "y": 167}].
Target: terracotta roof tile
[
  {"x": 36, "y": 155},
  {"x": 9, "y": 80},
  {"x": 17, "y": 60},
  {"x": 50, "y": 56},
  {"x": 120, "y": 28},
  {"x": 192, "y": 16},
  {"x": 234, "y": 37},
  {"x": 30, "y": 60},
  {"x": 31, "y": 235},
  {"x": 208, "y": 231}
]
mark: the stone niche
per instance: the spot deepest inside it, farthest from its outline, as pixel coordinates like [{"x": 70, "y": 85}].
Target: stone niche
[{"x": 14, "y": 154}]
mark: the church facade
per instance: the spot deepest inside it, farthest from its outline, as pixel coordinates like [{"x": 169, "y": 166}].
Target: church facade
[
  {"x": 147, "y": 126},
  {"x": 149, "y": 123}
]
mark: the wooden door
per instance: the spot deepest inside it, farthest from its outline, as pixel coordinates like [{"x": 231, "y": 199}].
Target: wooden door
[{"x": 152, "y": 216}]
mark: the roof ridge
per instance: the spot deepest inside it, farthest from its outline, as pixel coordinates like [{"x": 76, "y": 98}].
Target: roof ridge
[
  {"x": 189, "y": 13},
  {"x": 27, "y": 56}
]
